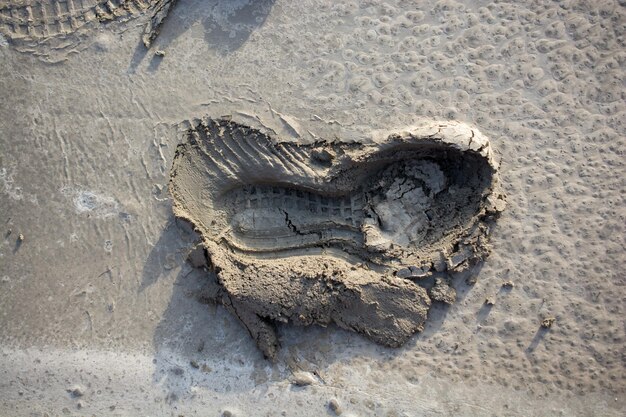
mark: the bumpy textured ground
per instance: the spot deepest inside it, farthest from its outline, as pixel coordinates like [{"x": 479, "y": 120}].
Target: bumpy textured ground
[{"x": 98, "y": 292}]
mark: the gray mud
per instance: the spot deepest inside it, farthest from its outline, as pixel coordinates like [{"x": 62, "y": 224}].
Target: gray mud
[
  {"x": 336, "y": 232},
  {"x": 54, "y": 29}
]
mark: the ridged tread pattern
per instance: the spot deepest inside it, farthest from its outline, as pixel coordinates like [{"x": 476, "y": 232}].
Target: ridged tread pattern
[
  {"x": 41, "y": 19},
  {"x": 346, "y": 209}
]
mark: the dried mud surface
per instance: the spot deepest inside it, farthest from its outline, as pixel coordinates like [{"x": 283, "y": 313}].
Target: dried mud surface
[
  {"x": 336, "y": 232},
  {"x": 95, "y": 289}
]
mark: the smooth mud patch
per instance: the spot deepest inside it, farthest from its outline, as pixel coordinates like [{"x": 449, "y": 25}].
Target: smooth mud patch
[{"x": 336, "y": 232}]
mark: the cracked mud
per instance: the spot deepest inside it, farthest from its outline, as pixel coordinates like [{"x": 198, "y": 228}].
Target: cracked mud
[{"x": 343, "y": 233}]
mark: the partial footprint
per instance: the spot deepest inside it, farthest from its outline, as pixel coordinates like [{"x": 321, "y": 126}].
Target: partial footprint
[
  {"x": 336, "y": 232},
  {"x": 55, "y": 28}
]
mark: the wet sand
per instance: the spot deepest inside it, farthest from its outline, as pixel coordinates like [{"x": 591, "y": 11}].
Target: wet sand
[{"x": 97, "y": 294}]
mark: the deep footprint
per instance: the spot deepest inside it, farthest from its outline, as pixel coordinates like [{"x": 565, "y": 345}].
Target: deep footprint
[{"x": 336, "y": 232}]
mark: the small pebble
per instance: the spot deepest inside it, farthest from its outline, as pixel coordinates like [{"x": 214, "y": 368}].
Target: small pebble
[
  {"x": 335, "y": 407},
  {"x": 160, "y": 53},
  {"x": 76, "y": 391},
  {"x": 548, "y": 322},
  {"x": 508, "y": 284},
  {"x": 490, "y": 301},
  {"x": 303, "y": 379}
]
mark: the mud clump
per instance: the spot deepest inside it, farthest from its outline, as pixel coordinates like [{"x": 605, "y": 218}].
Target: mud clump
[
  {"x": 160, "y": 11},
  {"x": 336, "y": 232},
  {"x": 547, "y": 322},
  {"x": 442, "y": 292}
]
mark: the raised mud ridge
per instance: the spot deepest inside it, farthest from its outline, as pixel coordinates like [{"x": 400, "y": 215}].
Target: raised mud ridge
[
  {"x": 336, "y": 232},
  {"x": 59, "y": 24}
]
